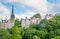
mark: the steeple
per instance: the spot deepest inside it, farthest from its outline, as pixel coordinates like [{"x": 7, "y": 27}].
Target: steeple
[
  {"x": 12, "y": 15},
  {"x": 12, "y": 9}
]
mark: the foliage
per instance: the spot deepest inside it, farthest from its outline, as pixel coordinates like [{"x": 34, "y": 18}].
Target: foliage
[
  {"x": 36, "y": 37},
  {"x": 46, "y": 29},
  {"x": 4, "y": 34},
  {"x": 17, "y": 23},
  {"x": 37, "y": 15},
  {"x": 16, "y": 33}
]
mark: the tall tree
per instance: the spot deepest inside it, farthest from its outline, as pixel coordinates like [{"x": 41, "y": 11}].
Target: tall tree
[{"x": 37, "y": 15}]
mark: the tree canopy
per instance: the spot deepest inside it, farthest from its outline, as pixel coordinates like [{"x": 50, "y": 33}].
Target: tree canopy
[{"x": 46, "y": 29}]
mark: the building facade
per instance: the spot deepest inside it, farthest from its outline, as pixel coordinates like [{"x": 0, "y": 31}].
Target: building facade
[
  {"x": 35, "y": 20},
  {"x": 4, "y": 23},
  {"x": 26, "y": 22},
  {"x": 48, "y": 16}
]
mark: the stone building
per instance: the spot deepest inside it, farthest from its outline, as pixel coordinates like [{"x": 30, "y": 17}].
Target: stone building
[
  {"x": 4, "y": 23},
  {"x": 35, "y": 20},
  {"x": 48, "y": 16},
  {"x": 26, "y": 22}
]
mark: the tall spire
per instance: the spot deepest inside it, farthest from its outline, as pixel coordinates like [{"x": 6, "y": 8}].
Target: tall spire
[
  {"x": 12, "y": 15},
  {"x": 12, "y": 9}
]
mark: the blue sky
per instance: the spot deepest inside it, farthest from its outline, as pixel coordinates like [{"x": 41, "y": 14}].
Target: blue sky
[{"x": 27, "y": 8}]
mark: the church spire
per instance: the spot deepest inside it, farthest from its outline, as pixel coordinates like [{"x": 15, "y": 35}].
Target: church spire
[
  {"x": 12, "y": 15},
  {"x": 12, "y": 9}
]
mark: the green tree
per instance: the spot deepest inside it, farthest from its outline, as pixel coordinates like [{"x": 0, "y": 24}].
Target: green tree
[
  {"x": 41, "y": 34},
  {"x": 28, "y": 34},
  {"x": 16, "y": 33},
  {"x": 57, "y": 37},
  {"x": 57, "y": 32},
  {"x": 17, "y": 23},
  {"x": 51, "y": 34},
  {"x": 37, "y": 15},
  {"x": 36, "y": 37},
  {"x": 32, "y": 25},
  {"x": 4, "y": 34}
]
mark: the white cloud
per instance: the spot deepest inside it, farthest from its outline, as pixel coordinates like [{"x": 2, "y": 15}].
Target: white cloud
[
  {"x": 40, "y": 5},
  {"x": 26, "y": 14},
  {"x": 4, "y": 12},
  {"x": 29, "y": 14},
  {"x": 54, "y": 7}
]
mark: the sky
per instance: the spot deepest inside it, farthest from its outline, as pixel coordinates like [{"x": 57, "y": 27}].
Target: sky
[{"x": 27, "y": 8}]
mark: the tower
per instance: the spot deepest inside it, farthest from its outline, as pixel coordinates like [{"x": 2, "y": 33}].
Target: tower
[{"x": 12, "y": 15}]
